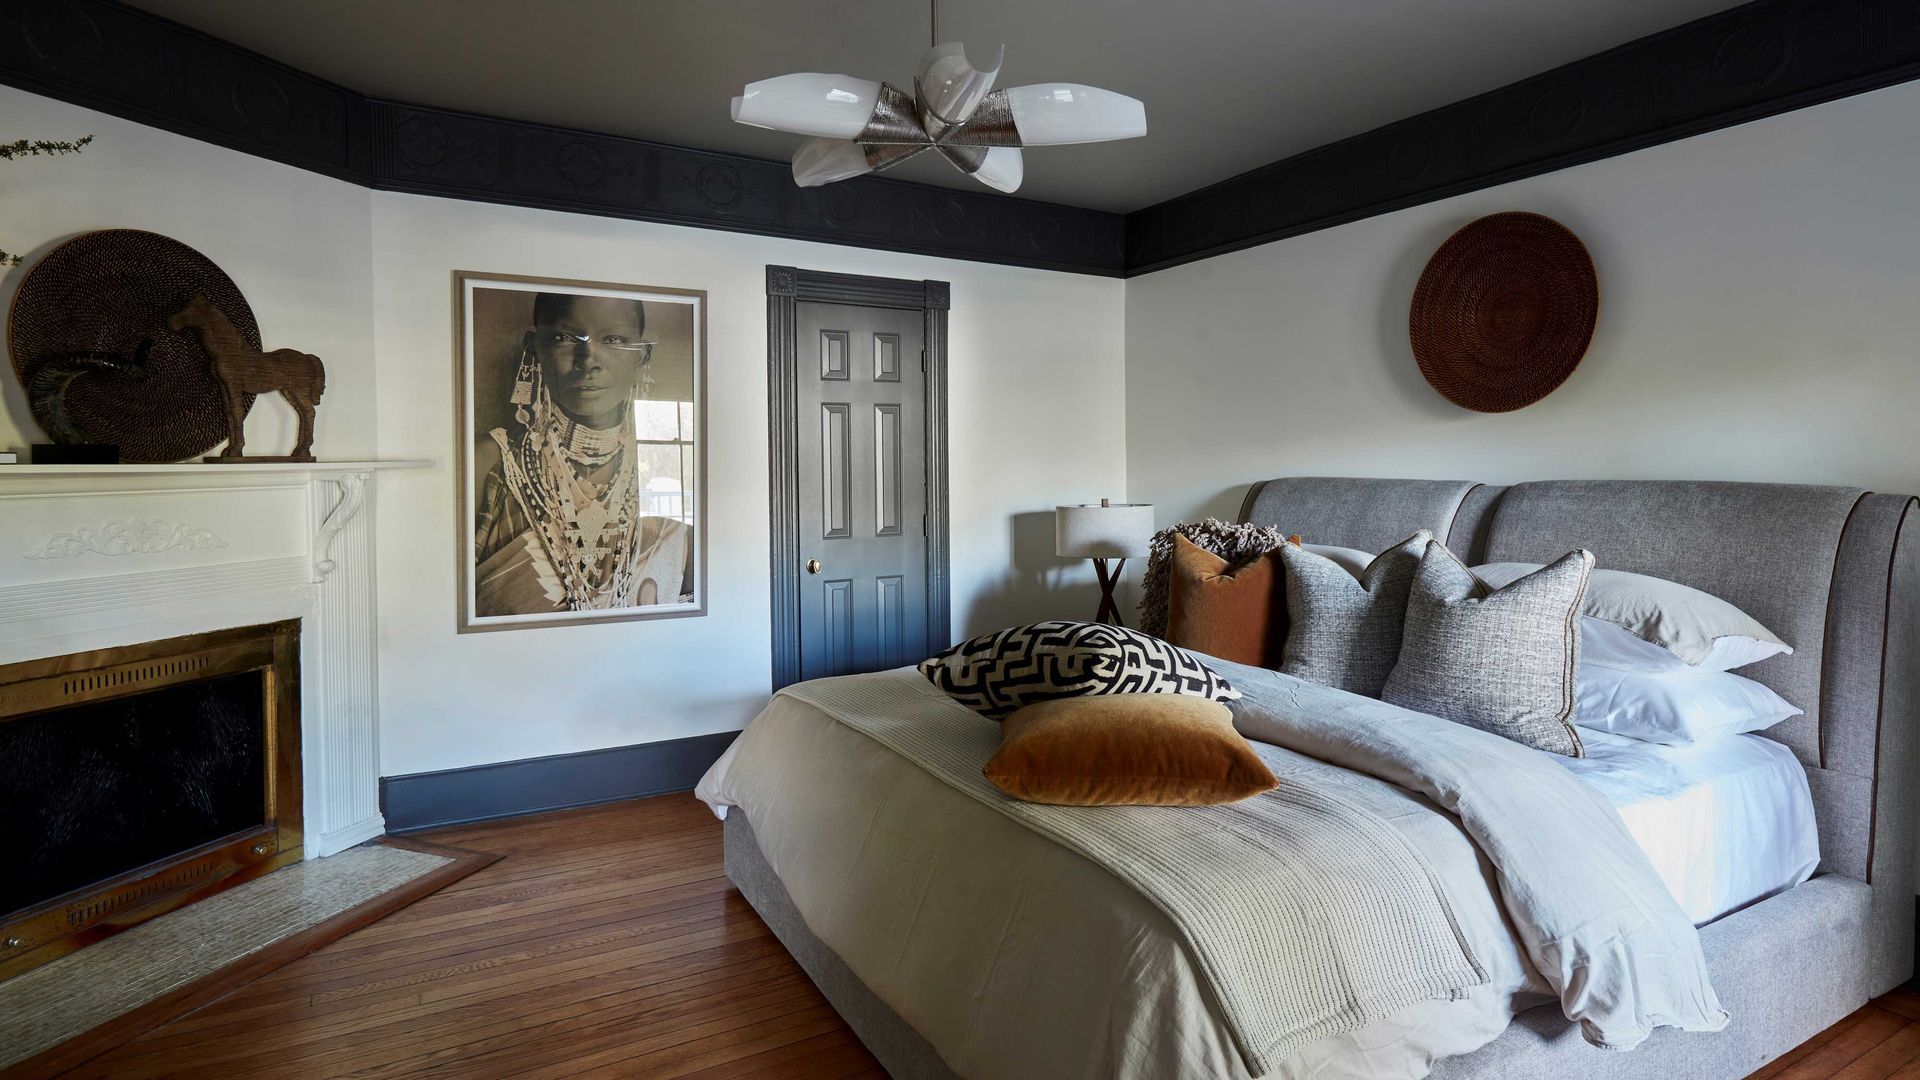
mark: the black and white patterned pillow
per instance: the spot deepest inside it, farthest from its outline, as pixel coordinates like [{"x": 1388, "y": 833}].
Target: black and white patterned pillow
[{"x": 996, "y": 673}]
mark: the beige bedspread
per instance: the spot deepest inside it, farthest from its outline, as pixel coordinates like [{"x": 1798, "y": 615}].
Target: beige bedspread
[
  {"x": 1016, "y": 956},
  {"x": 1306, "y": 914}
]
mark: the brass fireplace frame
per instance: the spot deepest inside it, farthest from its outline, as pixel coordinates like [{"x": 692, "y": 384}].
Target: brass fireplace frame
[{"x": 51, "y": 929}]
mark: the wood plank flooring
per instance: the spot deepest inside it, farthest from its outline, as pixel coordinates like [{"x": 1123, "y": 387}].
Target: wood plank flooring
[{"x": 608, "y": 942}]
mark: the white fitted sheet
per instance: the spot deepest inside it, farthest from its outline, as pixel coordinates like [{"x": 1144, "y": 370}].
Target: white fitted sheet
[{"x": 1725, "y": 822}]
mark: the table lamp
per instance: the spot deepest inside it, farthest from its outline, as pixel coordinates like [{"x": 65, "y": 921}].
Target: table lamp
[{"x": 1102, "y": 532}]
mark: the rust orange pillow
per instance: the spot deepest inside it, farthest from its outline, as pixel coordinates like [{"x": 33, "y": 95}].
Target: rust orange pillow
[
  {"x": 1237, "y": 614},
  {"x": 1126, "y": 750}
]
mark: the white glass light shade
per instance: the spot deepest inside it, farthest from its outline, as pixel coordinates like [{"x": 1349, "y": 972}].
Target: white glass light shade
[
  {"x": 809, "y": 103},
  {"x": 1119, "y": 531},
  {"x": 823, "y": 161},
  {"x": 1057, "y": 114},
  {"x": 952, "y": 88},
  {"x": 1003, "y": 169}
]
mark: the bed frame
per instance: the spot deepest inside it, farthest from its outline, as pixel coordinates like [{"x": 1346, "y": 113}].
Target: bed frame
[{"x": 1835, "y": 571}]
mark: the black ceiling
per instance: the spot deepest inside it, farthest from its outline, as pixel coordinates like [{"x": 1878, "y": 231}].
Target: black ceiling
[{"x": 1759, "y": 59}]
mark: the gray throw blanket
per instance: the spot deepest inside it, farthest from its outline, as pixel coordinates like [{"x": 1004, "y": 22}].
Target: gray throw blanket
[
  {"x": 1307, "y": 914},
  {"x": 1591, "y": 913}
]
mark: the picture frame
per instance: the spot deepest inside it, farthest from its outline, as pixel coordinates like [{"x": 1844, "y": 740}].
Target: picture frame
[{"x": 580, "y": 450}]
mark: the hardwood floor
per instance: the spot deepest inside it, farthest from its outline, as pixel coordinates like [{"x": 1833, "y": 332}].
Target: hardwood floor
[{"x": 608, "y": 942}]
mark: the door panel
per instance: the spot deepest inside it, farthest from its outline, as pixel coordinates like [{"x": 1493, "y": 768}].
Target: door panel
[
  {"x": 836, "y": 470},
  {"x": 862, "y": 490}
]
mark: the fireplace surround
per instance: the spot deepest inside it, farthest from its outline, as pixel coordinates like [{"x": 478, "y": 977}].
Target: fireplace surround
[
  {"x": 139, "y": 778},
  {"x": 99, "y": 558}
]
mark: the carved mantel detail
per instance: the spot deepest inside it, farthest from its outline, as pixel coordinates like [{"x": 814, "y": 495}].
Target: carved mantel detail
[
  {"x": 353, "y": 492},
  {"x": 135, "y": 535}
]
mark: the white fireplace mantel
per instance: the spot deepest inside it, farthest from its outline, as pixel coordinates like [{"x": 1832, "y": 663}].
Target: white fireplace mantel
[{"x": 97, "y": 556}]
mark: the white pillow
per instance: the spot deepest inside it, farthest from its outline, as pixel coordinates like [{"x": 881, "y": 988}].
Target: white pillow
[
  {"x": 1612, "y": 645},
  {"x": 1686, "y": 707},
  {"x": 1682, "y": 620},
  {"x": 1352, "y": 560}
]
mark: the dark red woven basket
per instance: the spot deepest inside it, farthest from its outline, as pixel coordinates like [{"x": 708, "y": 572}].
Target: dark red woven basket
[
  {"x": 1504, "y": 311},
  {"x": 104, "y": 293}
]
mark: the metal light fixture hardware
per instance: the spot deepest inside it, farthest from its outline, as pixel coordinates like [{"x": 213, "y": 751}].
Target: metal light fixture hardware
[{"x": 859, "y": 126}]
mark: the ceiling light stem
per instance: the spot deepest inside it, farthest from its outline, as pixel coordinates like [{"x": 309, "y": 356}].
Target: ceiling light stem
[{"x": 933, "y": 24}]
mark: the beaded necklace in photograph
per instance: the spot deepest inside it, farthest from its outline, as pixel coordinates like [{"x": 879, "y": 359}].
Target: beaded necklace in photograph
[{"x": 587, "y": 530}]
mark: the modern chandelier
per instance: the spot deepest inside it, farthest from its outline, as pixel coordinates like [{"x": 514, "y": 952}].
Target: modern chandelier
[{"x": 860, "y": 126}]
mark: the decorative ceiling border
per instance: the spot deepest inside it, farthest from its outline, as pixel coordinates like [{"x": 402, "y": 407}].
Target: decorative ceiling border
[
  {"x": 1756, "y": 60},
  {"x": 1752, "y": 61},
  {"x": 121, "y": 60}
]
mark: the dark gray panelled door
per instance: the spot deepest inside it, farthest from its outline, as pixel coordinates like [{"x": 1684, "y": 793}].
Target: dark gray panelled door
[{"x": 862, "y": 487}]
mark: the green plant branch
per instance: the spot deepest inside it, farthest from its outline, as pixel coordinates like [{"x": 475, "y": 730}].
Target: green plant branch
[
  {"x": 36, "y": 148},
  {"x": 39, "y": 147}
]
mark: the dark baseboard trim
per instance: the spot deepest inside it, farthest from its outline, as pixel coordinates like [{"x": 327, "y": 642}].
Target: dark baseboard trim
[
  {"x": 506, "y": 789},
  {"x": 1749, "y": 62},
  {"x": 1756, "y": 60}
]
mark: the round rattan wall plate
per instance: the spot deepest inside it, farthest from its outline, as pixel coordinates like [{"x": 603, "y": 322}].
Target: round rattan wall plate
[
  {"x": 89, "y": 337},
  {"x": 1504, "y": 311}
]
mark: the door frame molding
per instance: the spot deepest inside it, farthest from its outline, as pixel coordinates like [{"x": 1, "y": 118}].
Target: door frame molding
[{"x": 787, "y": 286}]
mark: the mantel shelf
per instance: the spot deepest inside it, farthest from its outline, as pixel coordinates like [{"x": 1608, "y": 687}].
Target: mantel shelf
[{"x": 192, "y": 468}]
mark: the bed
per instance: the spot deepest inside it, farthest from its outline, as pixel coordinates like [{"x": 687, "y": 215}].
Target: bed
[{"x": 970, "y": 945}]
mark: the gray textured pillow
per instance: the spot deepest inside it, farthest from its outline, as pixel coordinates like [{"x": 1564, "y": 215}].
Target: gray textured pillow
[
  {"x": 1501, "y": 660},
  {"x": 1344, "y": 631}
]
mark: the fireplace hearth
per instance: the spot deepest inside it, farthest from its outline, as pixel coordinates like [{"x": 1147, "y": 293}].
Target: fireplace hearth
[{"x": 135, "y": 780}]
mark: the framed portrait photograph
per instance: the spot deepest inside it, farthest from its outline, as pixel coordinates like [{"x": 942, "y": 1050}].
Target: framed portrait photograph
[{"x": 581, "y": 419}]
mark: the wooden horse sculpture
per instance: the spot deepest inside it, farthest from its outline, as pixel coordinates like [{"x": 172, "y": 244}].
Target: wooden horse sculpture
[{"x": 242, "y": 370}]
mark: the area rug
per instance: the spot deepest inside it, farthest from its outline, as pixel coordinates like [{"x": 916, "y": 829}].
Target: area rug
[{"x": 87, "y": 1002}]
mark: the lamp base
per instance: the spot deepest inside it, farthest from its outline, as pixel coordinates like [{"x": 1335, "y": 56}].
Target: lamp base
[{"x": 1109, "y": 577}]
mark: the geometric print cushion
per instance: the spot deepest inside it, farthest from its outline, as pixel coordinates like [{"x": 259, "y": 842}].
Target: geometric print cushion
[{"x": 998, "y": 672}]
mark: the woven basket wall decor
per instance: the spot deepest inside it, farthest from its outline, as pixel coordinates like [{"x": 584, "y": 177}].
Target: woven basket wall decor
[
  {"x": 1504, "y": 311},
  {"x": 89, "y": 338}
]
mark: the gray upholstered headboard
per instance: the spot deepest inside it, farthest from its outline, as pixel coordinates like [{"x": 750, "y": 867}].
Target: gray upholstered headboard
[{"x": 1834, "y": 571}]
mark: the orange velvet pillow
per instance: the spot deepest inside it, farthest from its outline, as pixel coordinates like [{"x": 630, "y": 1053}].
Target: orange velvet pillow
[
  {"x": 1234, "y": 614},
  {"x": 1126, "y": 750}
]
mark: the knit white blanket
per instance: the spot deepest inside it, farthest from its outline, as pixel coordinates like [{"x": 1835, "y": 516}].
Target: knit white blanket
[
  {"x": 1591, "y": 913},
  {"x": 1308, "y": 915}
]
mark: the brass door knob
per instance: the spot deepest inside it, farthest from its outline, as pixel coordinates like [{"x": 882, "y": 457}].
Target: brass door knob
[{"x": 813, "y": 566}]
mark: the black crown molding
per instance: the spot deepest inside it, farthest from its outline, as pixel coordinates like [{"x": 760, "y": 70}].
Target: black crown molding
[
  {"x": 436, "y": 152},
  {"x": 1752, "y": 61},
  {"x": 120, "y": 60}
]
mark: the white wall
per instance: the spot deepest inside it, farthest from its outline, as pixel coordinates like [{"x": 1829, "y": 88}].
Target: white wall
[
  {"x": 1035, "y": 414},
  {"x": 1037, "y": 408},
  {"x": 1760, "y": 314},
  {"x": 1759, "y": 320},
  {"x": 295, "y": 242}
]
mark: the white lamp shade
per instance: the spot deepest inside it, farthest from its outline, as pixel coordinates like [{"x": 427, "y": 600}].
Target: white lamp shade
[
  {"x": 823, "y": 161},
  {"x": 1003, "y": 169},
  {"x": 1120, "y": 531},
  {"x": 809, "y": 103},
  {"x": 950, "y": 87},
  {"x": 1057, "y": 114}
]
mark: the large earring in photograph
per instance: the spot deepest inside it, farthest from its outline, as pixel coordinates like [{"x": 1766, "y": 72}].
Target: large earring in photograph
[{"x": 523, "y": 381}]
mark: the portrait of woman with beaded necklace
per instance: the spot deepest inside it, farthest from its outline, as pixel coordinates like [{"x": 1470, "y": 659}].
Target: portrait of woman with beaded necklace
[{"x": 558, "y": 523}]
